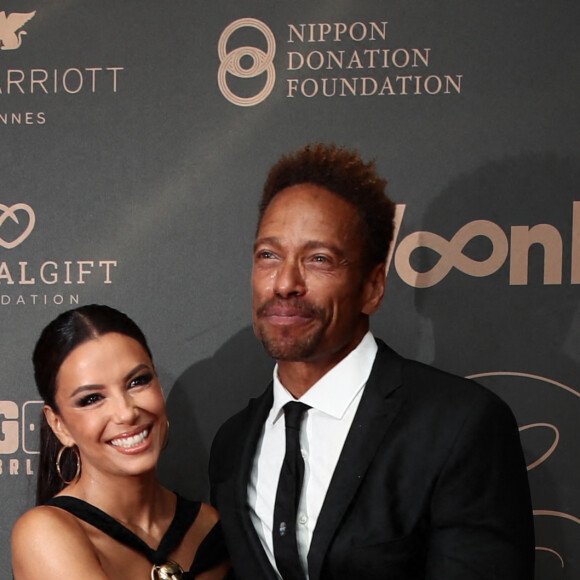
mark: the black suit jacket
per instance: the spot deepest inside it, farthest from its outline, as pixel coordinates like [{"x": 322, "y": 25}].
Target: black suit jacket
[{"x": 431, "y": 484}]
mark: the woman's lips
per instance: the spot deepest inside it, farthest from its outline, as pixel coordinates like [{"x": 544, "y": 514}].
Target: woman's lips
[{"x": 131, "y": 440}]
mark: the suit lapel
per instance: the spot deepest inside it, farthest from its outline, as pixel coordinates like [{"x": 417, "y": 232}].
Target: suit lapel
[
  {"x": 371, "y": 422},
  {"x": 257, "y": 413}
]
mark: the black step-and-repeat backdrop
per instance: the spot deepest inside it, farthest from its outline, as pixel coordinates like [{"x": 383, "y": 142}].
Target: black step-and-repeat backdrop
[{"x": 134, "y": 140}]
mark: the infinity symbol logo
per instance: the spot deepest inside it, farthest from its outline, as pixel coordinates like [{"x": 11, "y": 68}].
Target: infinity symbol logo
[
  {"x": 451, "y": 254},
  {"x": 10, "y": 212},
  {"x": 231, "y": 62}
]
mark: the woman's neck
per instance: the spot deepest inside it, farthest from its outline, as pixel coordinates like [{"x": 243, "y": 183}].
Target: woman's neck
[{"x": 136, "y": 501}]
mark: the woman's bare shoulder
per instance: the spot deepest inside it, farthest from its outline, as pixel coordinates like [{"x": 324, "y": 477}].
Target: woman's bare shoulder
[
  {"x": 43, "y": 521},
  {"x": 48, "y": 542},
  {"x": 208, "y": 516}
]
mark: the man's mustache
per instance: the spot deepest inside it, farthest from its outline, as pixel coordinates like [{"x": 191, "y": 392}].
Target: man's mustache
[{"x": 295, "y": 304}]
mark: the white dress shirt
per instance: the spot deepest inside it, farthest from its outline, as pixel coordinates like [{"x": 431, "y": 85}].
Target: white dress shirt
[{"x": 334, "y": 400}]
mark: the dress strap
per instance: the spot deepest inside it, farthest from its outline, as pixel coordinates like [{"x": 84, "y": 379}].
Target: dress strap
[{"x": 185, "y": 513}]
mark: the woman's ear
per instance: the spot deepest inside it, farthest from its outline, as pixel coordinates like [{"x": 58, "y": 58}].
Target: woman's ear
[{"x": 58, "y": 427}]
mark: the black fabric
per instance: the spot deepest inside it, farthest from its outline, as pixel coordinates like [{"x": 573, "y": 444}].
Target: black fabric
[
  {"x": 431, "y": 484},
  {"x": 210, "y": 552},
  {"x": 288, "y": 496}
]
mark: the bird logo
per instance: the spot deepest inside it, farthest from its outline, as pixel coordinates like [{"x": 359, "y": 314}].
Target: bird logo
[{"x": 10, "y": 33}]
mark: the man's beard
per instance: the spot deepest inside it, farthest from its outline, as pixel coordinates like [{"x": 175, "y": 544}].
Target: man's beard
[{"x": 287, "y": 344}]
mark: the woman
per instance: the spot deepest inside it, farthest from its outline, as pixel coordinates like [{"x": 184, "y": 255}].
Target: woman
[{"x": 102, "y": 514}]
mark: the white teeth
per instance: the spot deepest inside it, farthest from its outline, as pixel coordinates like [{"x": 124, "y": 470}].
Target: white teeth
[{"x": 128, "y": 442}]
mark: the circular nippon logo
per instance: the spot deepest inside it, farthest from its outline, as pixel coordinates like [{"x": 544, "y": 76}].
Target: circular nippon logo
[{"x": 261, "y": 62}]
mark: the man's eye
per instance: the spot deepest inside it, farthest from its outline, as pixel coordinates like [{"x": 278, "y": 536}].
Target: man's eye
[
  {"x": 265, "y": 254},
  {"x": 140, "y": 380},
  {"x": 321, "y": 259},
  {"x": 90, "y": 400}
]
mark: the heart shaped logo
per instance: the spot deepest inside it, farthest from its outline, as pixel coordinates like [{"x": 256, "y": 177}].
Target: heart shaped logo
[{"x": 10, "y": 213}]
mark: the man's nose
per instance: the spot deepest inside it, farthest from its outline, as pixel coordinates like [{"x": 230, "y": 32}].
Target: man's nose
[{"x": 289, "y": 279}]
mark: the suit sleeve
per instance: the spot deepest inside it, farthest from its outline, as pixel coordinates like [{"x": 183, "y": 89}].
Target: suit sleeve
[
  {"x": 482, "y": 522},
  {"x": 217, "y": 465}
]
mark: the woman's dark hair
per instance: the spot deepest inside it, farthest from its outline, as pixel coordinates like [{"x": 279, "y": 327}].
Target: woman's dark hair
[{"x": 56, "y": 342}]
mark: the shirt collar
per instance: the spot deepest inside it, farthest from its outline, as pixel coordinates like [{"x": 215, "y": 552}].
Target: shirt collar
[{"x": 335, "y": 391}]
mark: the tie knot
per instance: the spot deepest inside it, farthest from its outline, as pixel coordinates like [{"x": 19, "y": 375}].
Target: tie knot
[{"x": 293, "y": 412}]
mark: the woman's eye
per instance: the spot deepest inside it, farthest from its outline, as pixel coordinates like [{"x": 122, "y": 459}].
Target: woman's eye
[
  {"x": 90, "y": 400},
  {"x": 140, "y": 380}
]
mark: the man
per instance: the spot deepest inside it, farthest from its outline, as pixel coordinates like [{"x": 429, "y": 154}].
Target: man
[{"x": 409, "y": 473}]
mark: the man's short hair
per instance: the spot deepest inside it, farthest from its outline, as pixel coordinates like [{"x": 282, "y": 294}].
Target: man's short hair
[{"x": 342, "y": 172}]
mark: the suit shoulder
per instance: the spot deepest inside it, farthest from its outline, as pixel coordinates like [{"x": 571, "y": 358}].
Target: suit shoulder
[
  {"x": 435, "y": 387},
  {"x": 458, "y": 392},
  {"x": 237, "y": 422},
  {"x": 233, "y": 431},
  {"x": 443, "y": 380}
]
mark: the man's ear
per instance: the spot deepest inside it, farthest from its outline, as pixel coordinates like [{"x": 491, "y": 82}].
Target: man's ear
[
  {"x": 58, "y": 427},
  {"x": 374, "y": 289}
]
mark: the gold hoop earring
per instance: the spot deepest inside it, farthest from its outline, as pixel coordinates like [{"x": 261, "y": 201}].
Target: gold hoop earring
[
  {"x": 166, "y": 438},
  {"x": 58, "y": 469}
]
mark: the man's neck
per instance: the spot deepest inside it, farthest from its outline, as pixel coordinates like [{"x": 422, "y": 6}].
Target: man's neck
[{"x": 297, "y": 377}]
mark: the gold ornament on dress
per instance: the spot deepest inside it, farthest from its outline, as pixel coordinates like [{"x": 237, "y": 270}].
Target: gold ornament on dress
[{"x": 169, "y": 571}]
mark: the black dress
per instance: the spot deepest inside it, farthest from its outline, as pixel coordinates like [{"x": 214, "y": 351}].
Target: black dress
[{"x": 211, "y": 552}]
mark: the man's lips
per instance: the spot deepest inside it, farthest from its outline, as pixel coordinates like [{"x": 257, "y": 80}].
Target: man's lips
[{"x": 286, "y": 315}]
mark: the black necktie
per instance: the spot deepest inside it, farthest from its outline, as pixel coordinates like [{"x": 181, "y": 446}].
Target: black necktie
[{"x": 288, "y": 496}]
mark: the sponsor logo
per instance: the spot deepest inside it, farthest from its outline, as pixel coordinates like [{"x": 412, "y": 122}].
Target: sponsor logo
[
  {"x": 231, "y": 62},
  {"x": 75, "y": 80},
  {"x": 514, "y": 248},
  {"x": 16, "y": 224},
  {"x": 328, "y": 60},
  {"x": 10, "y": 29},
  {"x": 548, "y": 443},
  {"x": 19, "y": 436},
  {"x": 12, "y": 213}
]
